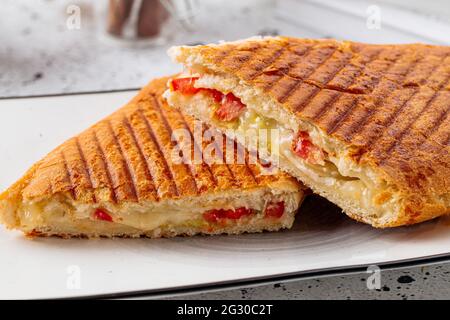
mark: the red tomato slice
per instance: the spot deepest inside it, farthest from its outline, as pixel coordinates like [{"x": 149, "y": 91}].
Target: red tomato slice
[
  {"x": 184, "y": 85},
  {"x": 101, "y": 214},
  {"x": 275, "y": 210},
  {"x": 211, "y": 216},
  {"x": 216, "y": 94},
  {"x": 231, "y": 108},
  {"x": 302, "y": 145},
  {"x": 217, "y": 214},
  {"x": 305, "y": 149},
  {"x": 238, "y": 213}
]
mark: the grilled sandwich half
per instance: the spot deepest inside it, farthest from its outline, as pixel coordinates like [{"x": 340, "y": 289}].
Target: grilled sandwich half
[
  {"x": 366, "y": 126},
  {"x": 120, "y": 178}
]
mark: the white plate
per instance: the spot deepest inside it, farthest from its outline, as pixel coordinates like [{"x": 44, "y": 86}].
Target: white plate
[{"x": 323, "y": 239}]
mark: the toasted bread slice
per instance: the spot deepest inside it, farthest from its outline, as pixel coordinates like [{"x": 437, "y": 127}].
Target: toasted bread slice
[
  {"x": 366, "y": 126},
  {"x": 120, "y": 178}
]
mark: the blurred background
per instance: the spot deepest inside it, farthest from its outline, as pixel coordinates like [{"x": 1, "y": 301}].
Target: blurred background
[{"x": 65, "y": 46}]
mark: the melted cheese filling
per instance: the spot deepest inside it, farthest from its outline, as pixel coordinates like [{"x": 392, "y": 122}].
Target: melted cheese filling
[
  {"x": 337, "y": 175},
  {"x": 334, "y": 175},
  {"x": 152, "y": 216}
]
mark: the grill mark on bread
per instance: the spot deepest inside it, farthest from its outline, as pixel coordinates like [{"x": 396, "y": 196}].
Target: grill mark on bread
[
  {"x": 298, "y": 81},
  {"x": 374, "y": 85},
  {"x": 262, "y": 61},
  {"x": 310, "y": 97},
  {"x": 438, "y": 122},
  {"x": 189, "y": 167},
  {"x": 239, "y": 57},
  {"x": 377, "y": 80},
  {"x": 307, "y": 92},
  {"x": 96, "y": 166},
  {"x": 447, "y": 142},
  {"x": 367, "y": 82},
  {"x": 222, "y": 54},
  {"x": 269, "y": 67},
  {"x": 420, "y": 71},
  {"x": 341, "y": 118},
  {"x": 390, "y": 120},
  {"x": 221, "y": 172},
  {"x": 85, "y": 166},
  {"x": 167, "y": 168},
  {"x": 130, "y": 175},
  {"x": 197, "y": 148},
  {"x": 328, "y": 70},
  {"x": 399, "y": 138},
  {"x": 261, "y": 69},
  {"x": 355, "y": 126},
  {"x": 441, "y": 74},
  {"x": 387, "y": 122},
  {"x": 285, "y": 74},
  {"x": 357, "y": 71},
  {"x": 68, "y": 176},
  {"x": 311, "y": 62},
  {"x": 168, "y": 128},
  {"x": 247, "y": 168},
  {"x": 142, "y": 157},
  {"x": 323, "y": 109},
  {"x": 76, "y": 174},
  {"x": 250, "y": 168},
  {"x": 380, "y": 101},
  {"x": 233, "y": 180},
  {"x": 203, "y": 170},
  {"x": 50, "y": 185},
  {"x": 106, "y": 167},
  {"x": 282, "y": 73}
]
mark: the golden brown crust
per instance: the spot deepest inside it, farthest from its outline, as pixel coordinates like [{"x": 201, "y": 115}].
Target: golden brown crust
[
  {"x": 388, "y": 104},
  {"x": 127, "y": 158}
]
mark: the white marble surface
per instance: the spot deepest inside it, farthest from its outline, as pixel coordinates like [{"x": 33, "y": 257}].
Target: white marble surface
[{"x": 40, "y": 55}]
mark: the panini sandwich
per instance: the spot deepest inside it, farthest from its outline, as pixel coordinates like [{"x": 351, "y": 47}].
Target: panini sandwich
[
  {"x": 119, "y": 178},
  {"x": 366, "y": 126}
]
